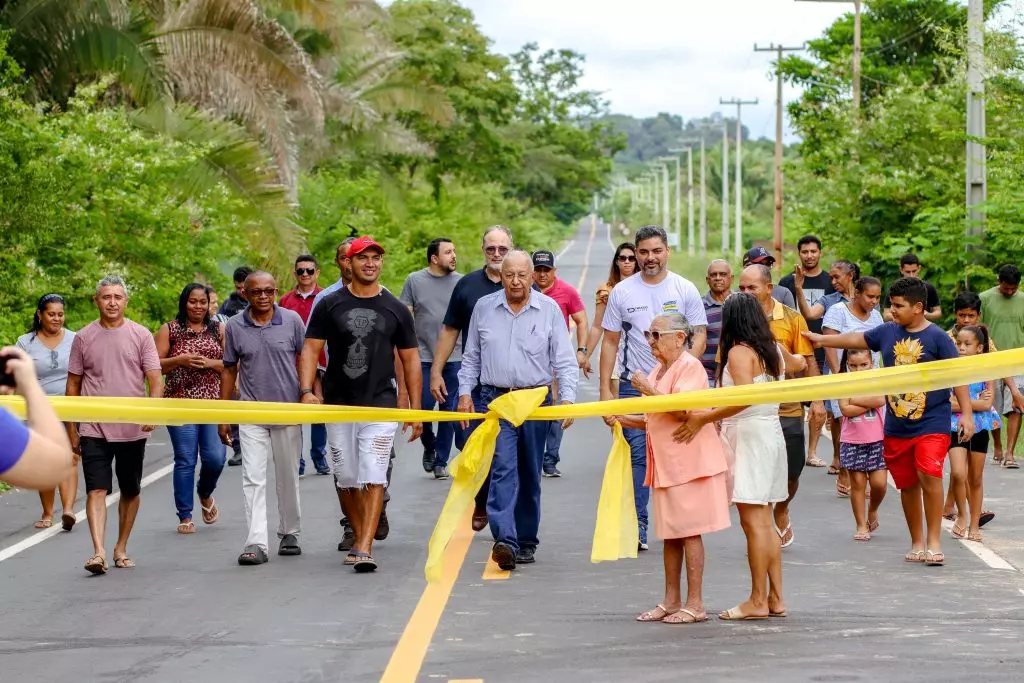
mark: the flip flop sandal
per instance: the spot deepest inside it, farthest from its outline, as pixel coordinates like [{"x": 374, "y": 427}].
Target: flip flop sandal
[
  {"x": 652, "y": 615},
  {"x": 951, "y": 516},
  {"x": 781, "y": 614},
  {"x": 124, "y": 562},
  {"x": 976, "y": 537},
  {"x": 959, "y": 532},
  {"x": 862, "y": 537},
  {"x": 694, "y": 618},
  {"x": 833, "y": 470},
  {"x": 1010, "y": 464},
  {"x": 43, "y": 524},
  {"x": 816, "y": 462},
  {"x": 365, "y": 564},
  {"x": 210, "y": 514},
  {"x": 782, "y": 535},
  {"x": 96, "y": 564},
  {"x": 67, "y": 521},
  {"x": 252, "y": 555},
  {"x": 734, "y": 614},
  {"x": 997, "y": 458},
  {"x": 354, "y": 557},
  {"x": 187, "y": 527},
  {"x": 985, "y": 518},
  {"x": 933, "y": 559},
  {"x": 842, "y": 491},
  {"x": 873, "y": 526},
  {"x": 914, "y": 556}
]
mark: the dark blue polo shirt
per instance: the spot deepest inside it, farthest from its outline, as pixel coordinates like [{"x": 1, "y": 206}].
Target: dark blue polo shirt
[{"x": 467, "y": 292}]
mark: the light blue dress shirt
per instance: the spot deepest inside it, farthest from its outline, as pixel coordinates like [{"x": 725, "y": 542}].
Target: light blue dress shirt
[{"x": 510, "y": 350}]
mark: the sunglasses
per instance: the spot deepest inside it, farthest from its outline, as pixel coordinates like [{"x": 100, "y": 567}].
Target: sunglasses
[
  {"x": 496, "y": 250},
  {"x": 305, "y": 271},
  {"x": 254, "y": 293},
  {"x": 625, "y": 258},
  {"x": 656, "y": 335}
]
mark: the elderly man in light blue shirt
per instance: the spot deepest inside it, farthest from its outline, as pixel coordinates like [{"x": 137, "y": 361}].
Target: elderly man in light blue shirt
[{"x": 516, "y": 340}]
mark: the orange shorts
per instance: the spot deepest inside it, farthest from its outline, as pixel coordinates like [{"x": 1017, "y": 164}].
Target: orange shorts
[{"x": 906, "y": 457}]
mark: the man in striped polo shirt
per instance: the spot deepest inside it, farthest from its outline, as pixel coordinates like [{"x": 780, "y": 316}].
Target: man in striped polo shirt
[{"x": 719, "y": 279}]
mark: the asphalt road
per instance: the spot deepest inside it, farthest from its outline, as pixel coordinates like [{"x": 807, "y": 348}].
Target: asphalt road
[{"x": 189, "y": 613}]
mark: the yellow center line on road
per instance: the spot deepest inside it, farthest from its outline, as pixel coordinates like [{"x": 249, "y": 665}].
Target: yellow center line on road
[
  {"x": 407, "y": 659},
  {"x": 492, "y": 572}
]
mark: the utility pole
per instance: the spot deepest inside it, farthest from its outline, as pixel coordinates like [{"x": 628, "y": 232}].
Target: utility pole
[
  {"x": 777, "y": 233},
  {"x": 703, "y": 201},
  {"x": 738, "y": 241},
  {"x": 725, "y": 186},
  {"x": 665, "y": 207},
  {"x": 856, "y": 50},
  {"x": 691, "y": 245},
  {"x": 679, "y": 170},
  {"x": 977, "y": 185}
]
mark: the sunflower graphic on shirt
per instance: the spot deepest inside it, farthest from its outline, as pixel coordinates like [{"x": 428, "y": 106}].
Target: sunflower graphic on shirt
[{"x": 907, "y": 406}]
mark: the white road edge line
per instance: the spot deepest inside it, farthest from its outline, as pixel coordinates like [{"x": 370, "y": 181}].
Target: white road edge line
[
  {"x": 609, "y": 234},
  {"x": 37, "y": 538},
  {"x": 565, "y": 249},
  {"x": 990, "y": 557}
]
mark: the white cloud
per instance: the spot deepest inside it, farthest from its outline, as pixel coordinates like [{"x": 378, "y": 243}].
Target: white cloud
[{"x": 679, "y": 56}]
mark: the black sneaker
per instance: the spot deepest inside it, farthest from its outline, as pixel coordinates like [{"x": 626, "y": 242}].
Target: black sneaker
[
  {"x": 503, "y": 556},
  {"x": 551, "y": 471},
  {"x": 441, "y": 472},
  {"x": 526, "y": 556},
  {"x": 348, "y": 537},
  {"x": 428, "y": 460},
  {"x": 235, "y": 460},
  {"x": 383, "y": 528}
]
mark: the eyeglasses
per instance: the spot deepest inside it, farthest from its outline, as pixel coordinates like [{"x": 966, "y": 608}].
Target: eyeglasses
[
  {"x": 305, "y": 271},
  {"x": 626, "y": 258},
  {"x": 255, "y": 293},
  {"x": 496, "y": 250},
  {"x": 656, "y": 335}
]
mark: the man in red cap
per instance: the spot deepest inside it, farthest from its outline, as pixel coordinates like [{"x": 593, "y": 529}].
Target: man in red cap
[{"x": 364, "y": 324}]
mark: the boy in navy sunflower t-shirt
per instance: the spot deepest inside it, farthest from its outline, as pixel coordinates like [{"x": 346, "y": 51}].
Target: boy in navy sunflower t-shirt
[{"x": 916, "y": 423}]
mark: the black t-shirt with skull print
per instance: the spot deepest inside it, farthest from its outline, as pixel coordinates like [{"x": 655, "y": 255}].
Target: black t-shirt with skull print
[{"x": 362, "y": 334}]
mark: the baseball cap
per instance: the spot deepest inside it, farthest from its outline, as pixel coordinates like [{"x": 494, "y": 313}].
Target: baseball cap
[
  {"x": 543, "y": 259},
  {"x": 361, "y": 244},
  {"x": 758, "y": 255}
]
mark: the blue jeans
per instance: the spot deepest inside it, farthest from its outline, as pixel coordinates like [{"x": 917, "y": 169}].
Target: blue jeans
[
  {"x": 317, "y": 447},
  {"x": 447, "y": 432},
  {"x": 553, "y": 443},
  {"x": 192, "y": 443},
  {"x": 513, "y": 500},
  {"x": 637, "y": 439}
]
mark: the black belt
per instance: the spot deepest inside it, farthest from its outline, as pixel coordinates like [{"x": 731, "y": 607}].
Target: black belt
[{"x": 505, "y": 390}]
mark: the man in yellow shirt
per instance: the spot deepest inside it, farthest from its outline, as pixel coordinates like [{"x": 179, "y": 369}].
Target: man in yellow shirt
[{"x": 787, "y": 327}]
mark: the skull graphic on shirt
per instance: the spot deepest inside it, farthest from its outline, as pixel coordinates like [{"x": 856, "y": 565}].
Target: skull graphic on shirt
[{"x": 360, "y": 322}]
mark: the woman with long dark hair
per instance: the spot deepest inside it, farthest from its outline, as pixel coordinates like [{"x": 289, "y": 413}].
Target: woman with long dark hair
[
  {"x": 48, "y": 344},
  {"x": 191, "y": 349},
  {"x": 754, "y": 446},
  {"x": 624, "y": 264}
]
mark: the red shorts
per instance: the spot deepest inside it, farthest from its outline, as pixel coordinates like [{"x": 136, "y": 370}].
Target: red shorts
[{"x": 906, "y": 457}]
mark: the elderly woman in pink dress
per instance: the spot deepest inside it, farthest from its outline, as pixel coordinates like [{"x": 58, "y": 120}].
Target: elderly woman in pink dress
[{"x": 687, "y": 480}]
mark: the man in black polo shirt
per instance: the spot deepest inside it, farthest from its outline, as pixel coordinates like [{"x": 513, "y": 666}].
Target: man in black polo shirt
[
  {"x": 496, "y": 243},
  {"x": 817, "y": 283},
  {"x": 910, "y": 266}
]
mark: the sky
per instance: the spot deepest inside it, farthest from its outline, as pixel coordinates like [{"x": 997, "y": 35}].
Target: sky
[{"x": 679, "y": 56}]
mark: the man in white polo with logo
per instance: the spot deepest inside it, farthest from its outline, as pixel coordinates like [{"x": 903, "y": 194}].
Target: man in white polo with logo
[{"x": 633, "y": 304}]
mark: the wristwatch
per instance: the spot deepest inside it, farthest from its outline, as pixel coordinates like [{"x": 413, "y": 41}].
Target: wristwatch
[
  {"x": 303, "y": 392},
  {"x": 582, "y": 349}
]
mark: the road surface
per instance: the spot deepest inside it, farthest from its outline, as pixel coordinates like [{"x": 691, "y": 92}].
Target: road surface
[{"x": 188, "y": 612}]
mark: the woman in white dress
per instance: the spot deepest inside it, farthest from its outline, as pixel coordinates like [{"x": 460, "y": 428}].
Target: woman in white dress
[{"x": 755, "y": 447}]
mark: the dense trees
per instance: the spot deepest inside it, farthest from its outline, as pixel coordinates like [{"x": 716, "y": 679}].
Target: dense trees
[{"x": 174, "y": 139}]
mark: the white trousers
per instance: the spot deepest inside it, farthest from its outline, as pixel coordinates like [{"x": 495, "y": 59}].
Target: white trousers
[
  {"x": 259, "y": 445},
  {"x": 360, "y": 452}
]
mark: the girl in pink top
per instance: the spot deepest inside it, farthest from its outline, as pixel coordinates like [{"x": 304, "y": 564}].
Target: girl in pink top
[
  {"x": 687, "y": 480},
  {"x": 860, "y": 448}
]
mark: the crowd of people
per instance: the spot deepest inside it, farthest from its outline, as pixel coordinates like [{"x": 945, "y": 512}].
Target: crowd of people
[{"x": 459, "y": 342}]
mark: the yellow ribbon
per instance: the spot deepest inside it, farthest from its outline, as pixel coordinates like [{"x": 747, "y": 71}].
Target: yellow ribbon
[
  {"x": 616, "y": 535},
  {"x": 470, "y": 469}
]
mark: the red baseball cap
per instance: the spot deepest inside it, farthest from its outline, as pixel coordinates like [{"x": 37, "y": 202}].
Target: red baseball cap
[{"x": 361, "y": 245}]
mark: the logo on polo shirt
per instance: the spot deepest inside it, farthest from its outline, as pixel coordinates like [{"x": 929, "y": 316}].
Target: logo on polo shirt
[
  {"x": 672, "y": 305},
  {"x": 636, "y": 309}
]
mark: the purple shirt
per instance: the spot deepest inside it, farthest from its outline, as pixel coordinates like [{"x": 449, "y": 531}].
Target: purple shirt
[
  {"x": 13, "y": 440},
  {"x": 266, "y": 355}
]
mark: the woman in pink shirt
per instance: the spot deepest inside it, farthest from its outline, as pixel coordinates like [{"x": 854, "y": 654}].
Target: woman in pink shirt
[{"x": 687, "y": 480}]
